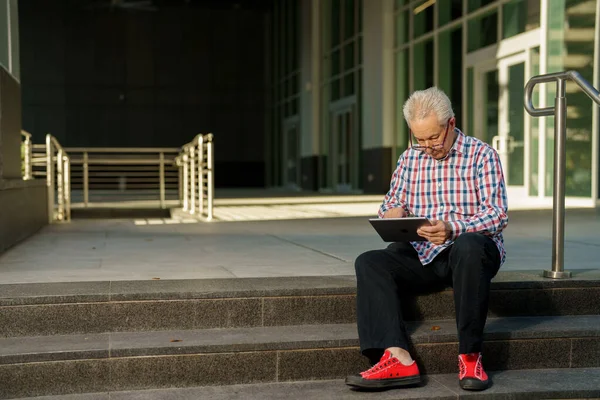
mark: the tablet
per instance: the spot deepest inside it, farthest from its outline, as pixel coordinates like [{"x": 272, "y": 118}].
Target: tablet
[{"x": 399, "y": 229}]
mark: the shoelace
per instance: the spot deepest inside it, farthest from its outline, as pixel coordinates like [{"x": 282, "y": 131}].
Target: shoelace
[
  {"x": 462, "y": 367},
  {"x": 378, "y": 366},
  {"x": 478, "y": 368}
]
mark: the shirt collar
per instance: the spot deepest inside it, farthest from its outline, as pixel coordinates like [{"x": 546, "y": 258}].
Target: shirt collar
[{"x": 460, "y": 145}]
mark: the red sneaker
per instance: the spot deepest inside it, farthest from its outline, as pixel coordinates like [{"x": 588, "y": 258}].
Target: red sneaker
[
  {"x": 388, "y": 373},
  {"x": 471, "y": 375}
]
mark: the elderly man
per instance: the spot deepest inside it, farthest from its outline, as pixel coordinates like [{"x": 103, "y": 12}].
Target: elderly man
[{"x": 455, "y": 181}]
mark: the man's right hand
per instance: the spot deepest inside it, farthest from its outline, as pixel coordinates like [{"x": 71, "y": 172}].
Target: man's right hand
[{"x": 397, "y": 212}]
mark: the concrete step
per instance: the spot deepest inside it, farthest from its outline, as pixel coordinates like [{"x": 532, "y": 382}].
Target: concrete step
[
  {"x": 130, "y": 306},
  {"x": 514, "y": 385},
  {"x": 33, "y": 366}
]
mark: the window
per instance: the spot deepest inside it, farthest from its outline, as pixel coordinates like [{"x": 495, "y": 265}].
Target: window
[
  {"x": 520, "y": 16},
  {"x": 423, "y": 65},
  {"x": 450, "y": 68},
  {"x": 483, "y": 31},
  {"x": 474, "y": 5},
  {"x": 423, "y": 18},
  {"x": 449, "y": 10}
]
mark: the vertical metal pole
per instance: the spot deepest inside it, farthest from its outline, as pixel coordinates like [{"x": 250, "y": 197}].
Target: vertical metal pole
[
  {"x": 192, "y": 151},
  {"x": 50, "y": 177},
  {"x": 201, "y": 161},
  {"x": 184, "y": 158},
  {"x": 60, "y": 181},
  {"x": 161, "y": 160},
  {"x": 180, "y": 180},
  {"x": 210, "y": 184},
  {"x": 28, "y": 156},
  {"x": 67, "y": 172},
  {"x": 558, "y": 215},
  {"x": 86, "y": 180}
]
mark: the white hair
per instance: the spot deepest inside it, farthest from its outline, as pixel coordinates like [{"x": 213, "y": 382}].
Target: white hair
[{"x": 422, "y": 103}]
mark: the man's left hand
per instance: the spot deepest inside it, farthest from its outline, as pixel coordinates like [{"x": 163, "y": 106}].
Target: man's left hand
[{"x": 437, "y": 233}]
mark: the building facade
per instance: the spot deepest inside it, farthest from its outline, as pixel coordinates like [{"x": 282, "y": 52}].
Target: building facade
[{"x": 342, "y": 69}]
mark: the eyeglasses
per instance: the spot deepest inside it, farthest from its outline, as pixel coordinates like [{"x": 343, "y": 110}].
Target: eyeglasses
[{"x": 435, "y": 147}]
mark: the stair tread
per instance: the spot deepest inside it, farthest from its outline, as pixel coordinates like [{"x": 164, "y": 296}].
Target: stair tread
[
  {"x": 104, "y": 291},
  {"x": 520, "y": 384},
  {"x": 131, "y": 344}
]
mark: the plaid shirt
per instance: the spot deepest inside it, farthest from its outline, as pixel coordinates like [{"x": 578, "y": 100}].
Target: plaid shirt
[{"x": 466, "y": 188}]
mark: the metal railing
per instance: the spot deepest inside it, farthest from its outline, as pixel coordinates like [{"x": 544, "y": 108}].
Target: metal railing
[
  {"x": 559, "y": 111},
  {"x": 125, "y": 175},
  {"x": 51, "y": 161},
  {"x": 196, "y": 172},
  {"x": 27, "y": 149}
]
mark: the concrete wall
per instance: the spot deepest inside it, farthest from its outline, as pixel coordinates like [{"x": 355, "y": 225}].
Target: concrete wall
[
  {"x": 23, "y": 210},
  {"x": 114, "y": 78},
  {"x": 10, "y": 126},
  {"x": 23, "y": 204}
]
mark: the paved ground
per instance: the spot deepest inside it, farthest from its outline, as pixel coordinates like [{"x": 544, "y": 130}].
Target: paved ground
[{"x": 91, "y": 250}]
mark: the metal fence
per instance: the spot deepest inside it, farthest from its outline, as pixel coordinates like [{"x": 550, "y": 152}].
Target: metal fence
[
  {"x": 144, "y": 176},
  {"x": 196, "y": 172},
  {"x": 111, "y": 177},
  {"x": 51, "y": 162}
]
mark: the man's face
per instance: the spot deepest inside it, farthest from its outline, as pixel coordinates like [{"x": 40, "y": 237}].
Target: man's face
[{"x": 431, "y": 137}]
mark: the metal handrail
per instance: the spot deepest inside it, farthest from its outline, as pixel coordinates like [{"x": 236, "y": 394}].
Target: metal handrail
[
  {"x": 58, "y": 161},
  {"x": 196, "y": 160},
  {"x": 560, "y": 132},
  {"x": 28, "y": 156},
  {"x": 151, "y": 160}
]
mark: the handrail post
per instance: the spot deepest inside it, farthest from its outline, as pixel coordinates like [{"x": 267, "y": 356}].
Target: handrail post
[
  {"x": 86, "y": 180},
  {"x": 60, "y": 180},
  {"x": 67, "y": 181},
  {"x": 184, "y": 160},
  {"x": 161, "y": 159},
  {"x": 201, "y": 160},
  {"x": 192, "y": 151},
  {"x": 558, "y": 206},
  {"x": 210, "y": 183},
  {"x": 178, "y": 163},
  {"x": 50, "y": 177},
  {"x": 27, "y": 158}
]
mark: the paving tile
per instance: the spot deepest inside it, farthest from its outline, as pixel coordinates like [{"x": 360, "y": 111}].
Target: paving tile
[
  {"x": 153, "y": 315},
  {"x": 192, "y": 370},
  {"x": 585, "y": 353},
  {"x": 309, "y": 310},
  {"x": 313, "y": 390},
  {"x": 54, "y": 293},
  {"x": 228, "y": 313},
  {"x": 53, "y": 378},
  {"x": 526, "y": 354},
  {"x": 53, "y": 348},
  {"x": 532, "y": 384},
  {"x": 320, "y": 364},
  {"x": 55, "y": 319},
  {"x": 230, "y": 340}
]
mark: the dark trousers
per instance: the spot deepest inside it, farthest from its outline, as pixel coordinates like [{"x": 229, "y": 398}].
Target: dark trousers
[{"x": 383, "y": 276}]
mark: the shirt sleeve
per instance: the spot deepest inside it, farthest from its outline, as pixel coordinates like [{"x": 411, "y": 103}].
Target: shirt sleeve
[
  {"x": 396, "y": 196},
  {"x": 492, "y": 217}
]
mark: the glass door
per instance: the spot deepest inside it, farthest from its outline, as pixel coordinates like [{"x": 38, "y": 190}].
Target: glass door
[
  {"x": 344, "y": 150},
  {"x": 500, "y": 117},
  {"x": 511, "y": 139}
]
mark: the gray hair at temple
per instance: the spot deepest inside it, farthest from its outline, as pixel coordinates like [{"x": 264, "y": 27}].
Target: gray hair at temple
[{"x": 423, "y": 103}]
